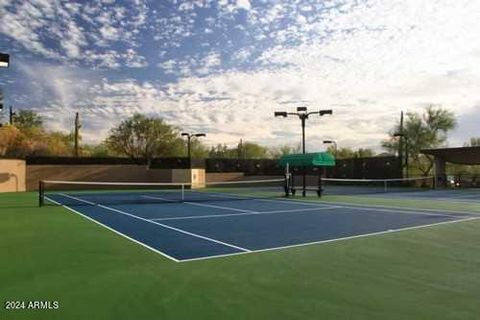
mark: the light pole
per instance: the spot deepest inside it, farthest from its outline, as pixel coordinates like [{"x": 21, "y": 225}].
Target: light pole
[
  {"x": 11, "y": 115},
  {"x": 334, "y": 145},
  {"x": 77, "y": 134},
  {"x": 336, "y": 153},
  {"x": 4, "y": 63},
  {"x": 303, "y": 115},
  {"x": 403, "y": 136},
  {"x": 189, "y": 138}
]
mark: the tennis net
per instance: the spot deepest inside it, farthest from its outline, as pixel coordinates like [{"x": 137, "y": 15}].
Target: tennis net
[
  {"x": 92, "y": 193},
  {"x": 368, "y": 186}
]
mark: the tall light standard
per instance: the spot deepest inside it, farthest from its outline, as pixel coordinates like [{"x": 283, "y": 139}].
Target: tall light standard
[
  {"x": 303, "y": 115},
  {"x": 334, "y": 145},
  {"x": 335, "y": 150},
  {"x": 4, "y": 63},
  {"x": 189, "y": 139},
  {"x": 403, "y": 136}
]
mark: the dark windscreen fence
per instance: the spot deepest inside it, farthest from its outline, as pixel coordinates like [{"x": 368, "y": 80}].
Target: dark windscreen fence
[
  {"x": 366, "y": 168},
  {"x": 355, "y": 168},
  {"x": 177, "y": 163},
  {"x": 247, "y": 166},
  {"x": 75, "y": 193}
]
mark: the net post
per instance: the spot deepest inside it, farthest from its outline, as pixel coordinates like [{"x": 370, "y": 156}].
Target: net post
[
  {"x": 287, "y": 185},
  {"x": 319, "y": 190},
  {"x": 287, "y": 180},
  {"x": 183, "y": 192},
  {"x": 40, "y": 193},
  {"x": 385, "y": 185}
]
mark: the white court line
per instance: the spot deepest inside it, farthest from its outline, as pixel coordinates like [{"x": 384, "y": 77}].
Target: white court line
[
  {"x": 370, "y": 206},
  {"x": 200, "y": 204},
  {"x": 347, "y": 204},
  {"x": 451, "y": 200},
  {"x": 365, "y": 207},
  {"x": 335, "y": 240},
  {"x": 467, "y": 195},
  {"x": 246, "y": 213},
  {"x": 113, "y": 230},
  {"x": 159, "y": 224},
  {"x": 458, "y": 220}
]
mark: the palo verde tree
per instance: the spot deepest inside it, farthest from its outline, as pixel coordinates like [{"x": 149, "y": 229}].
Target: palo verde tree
[
  {"x": 141, "y": 137},
  {"x": 27, "y": 119},
  {"x": 349, "y": 153},
  {"x": 422, "y": 131},
  {"x": 244, "y": 150},
  {"x": 278, "y": 152}
]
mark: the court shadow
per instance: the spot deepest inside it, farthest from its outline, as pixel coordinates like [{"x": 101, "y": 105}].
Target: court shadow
[{"x": 6, "y": 176}]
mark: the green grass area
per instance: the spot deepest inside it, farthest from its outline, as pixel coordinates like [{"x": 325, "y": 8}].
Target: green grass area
[{"x": 51, "y": 254}]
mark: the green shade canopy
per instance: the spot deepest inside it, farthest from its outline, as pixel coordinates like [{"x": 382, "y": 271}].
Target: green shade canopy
[{"x": 318, "y": 159}]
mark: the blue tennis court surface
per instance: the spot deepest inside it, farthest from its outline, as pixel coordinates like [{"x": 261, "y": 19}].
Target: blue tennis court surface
[{"x": 185, "y": 231}]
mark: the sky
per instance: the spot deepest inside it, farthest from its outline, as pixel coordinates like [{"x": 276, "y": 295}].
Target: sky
[{"x": 223, "y": 67}]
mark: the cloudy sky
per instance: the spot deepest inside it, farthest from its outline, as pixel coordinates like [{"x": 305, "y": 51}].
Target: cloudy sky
[{"x": 223, "y": 67}]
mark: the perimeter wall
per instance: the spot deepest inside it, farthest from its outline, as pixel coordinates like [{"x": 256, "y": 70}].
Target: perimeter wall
[
  {"x": 117, "y": 173},
  {"x": 12, "y": 175}
]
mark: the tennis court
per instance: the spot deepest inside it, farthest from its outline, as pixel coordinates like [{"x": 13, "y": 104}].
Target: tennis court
[
  {"x": 453, "y": 195},
  {"x": 186, "y": 225}
]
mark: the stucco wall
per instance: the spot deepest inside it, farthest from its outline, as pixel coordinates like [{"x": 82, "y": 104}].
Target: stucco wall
[
  {"x": 117, "y": 173},
  {"x": 12, "y": 175}
]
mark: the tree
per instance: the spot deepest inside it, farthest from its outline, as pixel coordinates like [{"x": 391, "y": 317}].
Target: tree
[
  {"x": 140, "y": 137},
  {"x": 198, "y": 149},
  {"x": 223, "y": 151},
  {"x": 27, "y": 119},
  {"x": 284, "y": 150},
  {"x": 10, "y": 140},
  {"x": 97, "y": 150},
  {"x": 422, "y": 131},
  {"x": 364, "y": 153},
  {"x": 474, "y": 142},
  {"x": 244, "y": 150},
  {"x": 254, "y": 150},
  {"x": 349, "y": 153}
]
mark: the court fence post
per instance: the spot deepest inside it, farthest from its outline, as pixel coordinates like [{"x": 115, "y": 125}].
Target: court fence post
[{"x": 40, "y": 193}]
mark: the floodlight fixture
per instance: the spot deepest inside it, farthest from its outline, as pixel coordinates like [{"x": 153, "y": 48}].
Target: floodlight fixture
[
  {"x": 334, "y": 145},
  {"x": 189, "y": 140},
  {"x": 301, "y": 109},
  {"x": 4, "y": 60},
  {"x": 324, "y": 112},
  {"x": 280, "y": 114}
]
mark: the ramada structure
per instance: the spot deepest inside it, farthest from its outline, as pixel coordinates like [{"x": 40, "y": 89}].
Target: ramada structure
[{"x": 462, "y": 155}]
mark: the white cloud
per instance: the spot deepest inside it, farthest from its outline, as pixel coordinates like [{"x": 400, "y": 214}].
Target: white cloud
[
  {"x": 365, "y": 60},
  {"x": 244, "y": 4},
  {"x": 64, "y": 31}
]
